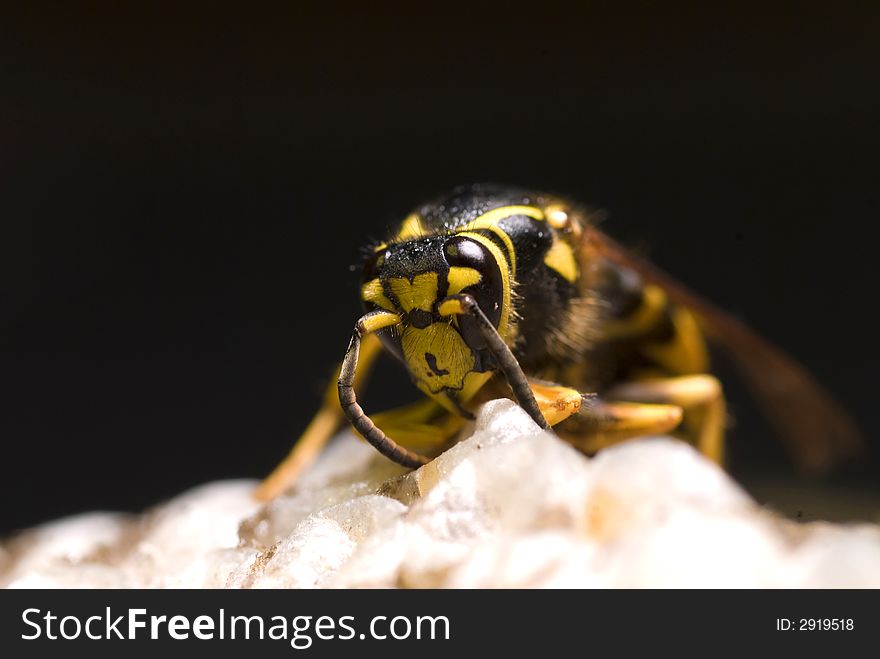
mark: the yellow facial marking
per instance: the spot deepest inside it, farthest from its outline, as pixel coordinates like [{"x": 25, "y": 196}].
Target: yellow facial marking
[
  {"x": 437, "y": 356},
  {"x": 473, "y": 382},
  {"x": 452, "y": 307},
  {"x": 460, "y": 278},
  {"x": 560, "y": 258},
  {"x": 372, "y": 292},
  {"x": 420, "y": 293},
  {"x": 411, "y": 228}
]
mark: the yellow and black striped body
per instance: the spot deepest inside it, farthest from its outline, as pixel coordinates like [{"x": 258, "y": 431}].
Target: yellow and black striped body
[
  {"x": 569, "y": 316},
  {"x": 491, "y": 291}
]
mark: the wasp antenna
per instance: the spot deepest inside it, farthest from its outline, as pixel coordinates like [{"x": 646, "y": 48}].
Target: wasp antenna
[
  {"x": 466, "y": 305},
  {"x": 371, "y": 322}
]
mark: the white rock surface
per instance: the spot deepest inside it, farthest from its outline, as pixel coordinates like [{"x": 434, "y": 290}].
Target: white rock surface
[{"x": 509, "y": 507}]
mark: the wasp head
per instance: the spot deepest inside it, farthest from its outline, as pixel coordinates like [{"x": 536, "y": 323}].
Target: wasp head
[{"x": 411, "y": 278}]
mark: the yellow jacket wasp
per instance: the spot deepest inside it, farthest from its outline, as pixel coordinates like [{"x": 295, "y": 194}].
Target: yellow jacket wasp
[{"x": 490, "y": 291}]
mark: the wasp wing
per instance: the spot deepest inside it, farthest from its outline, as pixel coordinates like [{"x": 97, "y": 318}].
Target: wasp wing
[{"x": 816, "y": 429}]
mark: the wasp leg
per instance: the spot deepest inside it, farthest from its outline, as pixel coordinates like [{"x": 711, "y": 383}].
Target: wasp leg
[
  {"x": 556, "y": 402},
  {"x": 425, "y": 426},
  {"x": 319, "y": 431},
  {"x": 701, "y": 398},
  {"x": 602, "y": 423}
]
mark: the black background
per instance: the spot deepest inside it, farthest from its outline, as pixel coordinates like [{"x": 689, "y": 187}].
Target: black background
[{"x": 181, "y": 197}]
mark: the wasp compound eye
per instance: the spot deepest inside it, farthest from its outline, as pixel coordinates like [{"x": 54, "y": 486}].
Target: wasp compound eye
[
  {"x": 473, "y": 269},
  {"x": 463, "y": 251}
]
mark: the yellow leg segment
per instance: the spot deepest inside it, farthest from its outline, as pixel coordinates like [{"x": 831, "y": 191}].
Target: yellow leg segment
[
  {"x": 599, "y": 423},
  {"x": 610, "y": 422},
  {"x": 701, "y": 398},
  {"x": 319, "y": 431},
  {"x": 428, "y": 427},
  {"x": 425, "y": 426},
  {"x": 556, "y": 402}
]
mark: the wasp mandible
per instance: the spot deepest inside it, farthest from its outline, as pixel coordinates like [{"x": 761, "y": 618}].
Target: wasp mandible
[{"x": 491, "y": 291}]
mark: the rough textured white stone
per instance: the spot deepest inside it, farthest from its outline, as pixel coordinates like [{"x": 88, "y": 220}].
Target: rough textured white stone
[{"x": 511, "y": 506}]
